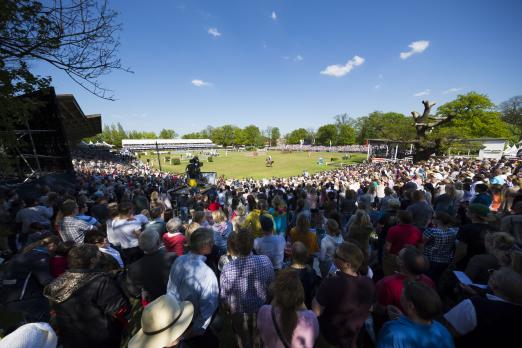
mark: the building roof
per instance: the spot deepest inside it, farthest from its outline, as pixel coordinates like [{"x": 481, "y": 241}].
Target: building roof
[{"x": 76, "y": 124}]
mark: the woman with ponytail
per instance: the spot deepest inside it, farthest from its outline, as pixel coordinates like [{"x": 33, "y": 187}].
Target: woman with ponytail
[{"x": 286, "y": 323}]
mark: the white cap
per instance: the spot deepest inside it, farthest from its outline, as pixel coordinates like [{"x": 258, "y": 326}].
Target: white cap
[{"x": 33, "y": 335}]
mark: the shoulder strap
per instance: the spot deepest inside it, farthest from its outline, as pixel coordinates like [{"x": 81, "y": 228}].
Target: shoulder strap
[{"x": 283, "y": 340}]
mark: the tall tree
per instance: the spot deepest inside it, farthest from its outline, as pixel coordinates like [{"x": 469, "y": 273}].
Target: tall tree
[
  {"x": 79, "y": 37},
  {"x": 252, "y": 136},
  {"x": 346, "y": 135},
  {"x": 327, "y": 135},
  {"x": 167, "y": 134},
  {"x": 389, "y": 125},
  {"x": 511, "y": 111},
  {"x": 276, "y": 134},
  {"x": 295, "y": 136},
  {"x": 472, "y": 115}
]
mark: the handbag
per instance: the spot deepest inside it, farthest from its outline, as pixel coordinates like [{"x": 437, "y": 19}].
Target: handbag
[{"x": 281, "y": 337}]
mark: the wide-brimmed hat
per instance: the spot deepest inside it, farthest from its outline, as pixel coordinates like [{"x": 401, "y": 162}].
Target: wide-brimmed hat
[
  {"x": 163, "y": 321},
  {"x": 34, "y": 335},
  {"x": 479, "y": 210}
]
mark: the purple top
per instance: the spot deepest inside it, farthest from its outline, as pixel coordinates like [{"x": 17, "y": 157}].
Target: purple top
[{"x": 305, "y": 333}]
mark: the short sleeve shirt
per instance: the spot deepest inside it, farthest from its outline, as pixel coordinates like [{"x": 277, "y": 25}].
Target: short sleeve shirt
[{"x": 401, "y": 235}]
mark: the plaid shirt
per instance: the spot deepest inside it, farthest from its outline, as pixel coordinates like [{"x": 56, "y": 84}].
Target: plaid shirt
[
  {"x": 74, "y": 229},
  {"x": 440, "y": 244},
  {"x": 244, "y": 283}
]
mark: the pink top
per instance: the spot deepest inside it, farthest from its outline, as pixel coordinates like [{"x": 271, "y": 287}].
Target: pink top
[{"x": 305, "y": 333}]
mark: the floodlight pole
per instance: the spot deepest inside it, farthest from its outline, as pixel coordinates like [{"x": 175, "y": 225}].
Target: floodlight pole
[{"x": 157, "y": 153}]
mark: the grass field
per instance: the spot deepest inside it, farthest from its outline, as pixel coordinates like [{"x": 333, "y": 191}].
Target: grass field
[{"x": 245, "y": 165}]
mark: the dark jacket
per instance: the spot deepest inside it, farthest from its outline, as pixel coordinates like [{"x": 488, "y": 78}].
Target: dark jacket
[
  {"x": 21, "y": 288},
  {"x": 149, "y": 275},
  {"x": 88, "y": 305}
]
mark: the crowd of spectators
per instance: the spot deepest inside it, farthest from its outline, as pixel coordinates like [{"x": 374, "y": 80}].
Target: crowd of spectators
[
  {"x": 368, "y": 255},
  {"x": 321, "y": 148}
]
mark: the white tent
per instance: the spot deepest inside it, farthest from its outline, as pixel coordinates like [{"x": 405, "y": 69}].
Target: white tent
[
  {"x": 511, "y": 151},
  {"x": 90, "y": 143},
  {"x": 83, "y": 144}
]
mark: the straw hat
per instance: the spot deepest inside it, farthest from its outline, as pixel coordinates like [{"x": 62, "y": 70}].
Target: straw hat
[
  {"x": 163, "y": 321},
  {"x": 34, "y": 335}
]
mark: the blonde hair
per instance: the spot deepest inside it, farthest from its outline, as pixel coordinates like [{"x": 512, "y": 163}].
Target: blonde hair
[
  {"x": 218, "y": 216},
  {"x": 499, "y": 244}
]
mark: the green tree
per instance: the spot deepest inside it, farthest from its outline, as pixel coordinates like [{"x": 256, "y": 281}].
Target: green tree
[
  {"x": 276, "y": 134},
  {"x": 167, "y": 134},
  {"x": 511, "y": 111},
  {"x": 326, "y": 134},
  {"x": 239, "y": 137},
  {"x": 295, "y": 136},
  {"x": 252, "y": 136},
  {"x": 389, "y": 125},
  {"x": 346, "y": 135},
  {"x": 223, "y": 135},
  {"x": 195, "y": 135},
  {"x": 473, "y": 115}
]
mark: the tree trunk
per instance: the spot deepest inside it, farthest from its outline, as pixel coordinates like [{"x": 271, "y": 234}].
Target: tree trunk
[{"x": 423, "y": 126}]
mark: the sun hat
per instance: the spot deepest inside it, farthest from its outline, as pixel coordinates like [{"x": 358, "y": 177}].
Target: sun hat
[
  {"x": 34, "y": 335},
  {"x": 163, "y": 321},
  {"x": 479, "y": 209}
]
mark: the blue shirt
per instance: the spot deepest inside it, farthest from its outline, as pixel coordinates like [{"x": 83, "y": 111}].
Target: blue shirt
[
  {"x": 404, "y": 333},
  {"x": 88, "y": 219},
  {"x": 192, "y": 280},
  {"x": 273, "y": 247}
]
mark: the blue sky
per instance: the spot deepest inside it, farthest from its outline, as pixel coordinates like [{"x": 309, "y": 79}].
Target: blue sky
[{"x": 279, "y": 62}]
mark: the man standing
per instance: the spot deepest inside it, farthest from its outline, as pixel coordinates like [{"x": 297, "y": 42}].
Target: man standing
[
  {"x": 421, "y": 211},
  {"x": 73, "y": 229},
  {"x": 344, "y": 300},
  {"x": 244, "y": 289},
  {"x": 416, "y": 328},
  {"x": 33, "y": 212},
  {"x": 147, "y": 278},
  {"x": 89, "y": 305},
  {"x": 192, "y": 280},
  {"x": 270, "y": 245},
  {"x": 412, "y": 266}
]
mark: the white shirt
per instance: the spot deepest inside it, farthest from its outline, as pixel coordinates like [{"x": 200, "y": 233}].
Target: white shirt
[
  {"x": 123, "y": 233},
  {"x": 114, "y": 253}
]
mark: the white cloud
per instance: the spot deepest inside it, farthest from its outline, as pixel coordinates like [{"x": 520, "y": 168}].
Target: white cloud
[
  {"x": 341, "y": 70},
  {"x": 452, "y": 90},
  {"x": 201, "y": 83},
  {"x": 416, "y": 47},
  {"x": 298, "y": 58},
  {"x": 214, "y": 32},
  {"x": 286, "y": 57},
  {"x": 274, "y": 15},
  {"x": 377, "y": 86},
  {"x": 423, "y": 93}
]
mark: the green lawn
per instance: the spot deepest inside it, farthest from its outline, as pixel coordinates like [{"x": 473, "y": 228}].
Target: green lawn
[{"x": 243, "y": 164}]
